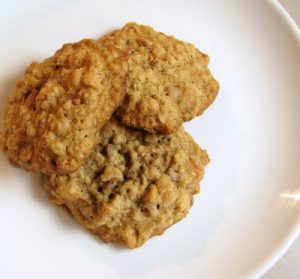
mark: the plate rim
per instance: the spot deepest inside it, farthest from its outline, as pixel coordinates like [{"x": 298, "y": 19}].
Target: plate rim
[{"x": 284, "y": 246}]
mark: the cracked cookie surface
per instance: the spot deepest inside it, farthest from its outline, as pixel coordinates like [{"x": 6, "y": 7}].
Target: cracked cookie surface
[
  {"x": 168, "y": 80},
  {"x": 134, "y": 185},
  {"x": 59, "y": 105}
]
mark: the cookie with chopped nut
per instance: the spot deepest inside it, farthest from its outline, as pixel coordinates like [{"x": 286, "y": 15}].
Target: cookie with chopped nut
[
  {"x": 134, "y": 185},
  {"x": 59, "y": 105},
  {"x": 168, "y": 80}
]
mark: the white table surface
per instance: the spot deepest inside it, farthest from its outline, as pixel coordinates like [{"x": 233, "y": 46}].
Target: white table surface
[{"x": 288, "y": 267}]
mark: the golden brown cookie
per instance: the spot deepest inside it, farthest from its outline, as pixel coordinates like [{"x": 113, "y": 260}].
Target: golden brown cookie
[
  {"x": 59, "y": 105},
  {"x": 134, "y": 185},
  {"x": 168, "y": 81}
]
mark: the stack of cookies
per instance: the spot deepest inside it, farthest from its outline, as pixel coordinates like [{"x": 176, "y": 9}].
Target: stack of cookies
[{"x": 103, "y": 121}]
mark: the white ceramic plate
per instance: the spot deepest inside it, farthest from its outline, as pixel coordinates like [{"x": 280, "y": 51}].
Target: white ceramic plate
[{"x": 249, "y": 210}]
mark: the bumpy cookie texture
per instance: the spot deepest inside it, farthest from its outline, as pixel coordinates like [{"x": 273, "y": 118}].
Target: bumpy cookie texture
[
  {"x": 134, "y": 185},
  {"x": 59, "y": 105},
  {"x": 168, "y": 80}
]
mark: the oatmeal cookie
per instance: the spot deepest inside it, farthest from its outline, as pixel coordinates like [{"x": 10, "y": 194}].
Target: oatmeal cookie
[
  {"x": 168, "y": 80},
  {"x": 134, "y": 185},
  {"x": 59, "y": 105}
]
